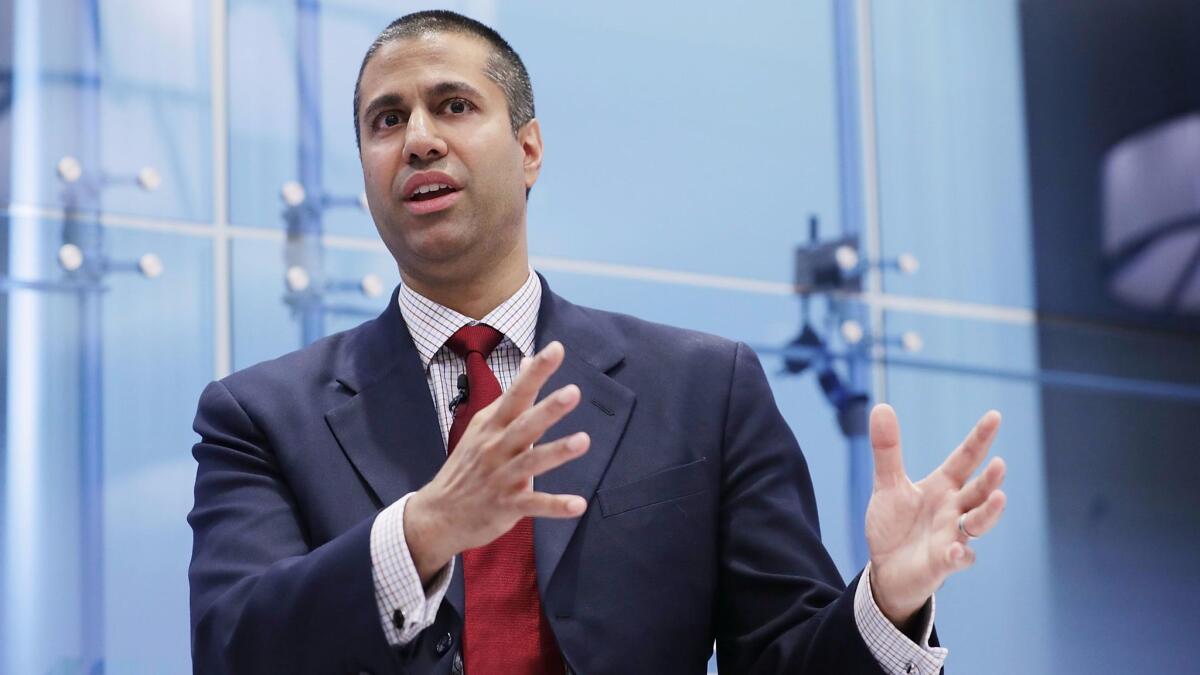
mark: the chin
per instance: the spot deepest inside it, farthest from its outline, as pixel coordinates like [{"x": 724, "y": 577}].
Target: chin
[{"x": 440, "y": 247}]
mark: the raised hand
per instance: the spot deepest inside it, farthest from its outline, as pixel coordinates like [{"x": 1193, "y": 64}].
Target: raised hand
[
  {"x": 486, "y": 484},
  {"x": 913, "y": 530}
]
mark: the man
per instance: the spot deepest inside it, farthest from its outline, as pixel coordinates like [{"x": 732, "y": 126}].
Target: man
[{"x": 489, "y": 479}]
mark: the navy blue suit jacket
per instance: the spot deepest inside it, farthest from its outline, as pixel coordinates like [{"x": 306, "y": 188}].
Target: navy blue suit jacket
[{"x": 701, "y": 523}]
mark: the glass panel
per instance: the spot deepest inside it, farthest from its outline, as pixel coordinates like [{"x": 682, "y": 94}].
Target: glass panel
[
  {"x": 155, "y": 354},
  {"x": 156, "y": 106},
  {"x": 118, "y": 87},
  {"x": 157, "y": 359},
  {"x": 262, "y": 109},
  {"x": 699, "y": 140},
  {"x": 952, "y": 163},
  {"x": 264, "y": 325}
]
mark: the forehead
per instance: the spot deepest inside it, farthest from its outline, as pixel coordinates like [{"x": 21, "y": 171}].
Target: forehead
[{"x": 424, "y": 60}]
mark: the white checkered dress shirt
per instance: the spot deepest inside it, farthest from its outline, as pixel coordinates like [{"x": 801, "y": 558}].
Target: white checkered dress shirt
[
  {"x": 404, "y": 606},
  {"x": 398, "y": 590}
]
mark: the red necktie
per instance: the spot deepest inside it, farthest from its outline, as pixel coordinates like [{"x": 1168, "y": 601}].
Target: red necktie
[{"x": 505, "y": 631}]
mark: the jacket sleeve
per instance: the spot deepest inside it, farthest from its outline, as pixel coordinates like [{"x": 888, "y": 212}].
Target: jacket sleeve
[
  {"x": 262, "y": 599},
  {"x": 782, "y": 606}
]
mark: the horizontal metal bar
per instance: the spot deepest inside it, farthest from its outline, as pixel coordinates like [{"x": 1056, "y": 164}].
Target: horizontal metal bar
[
  {"x": 8, "y": 285},
  {"x": 1062, "y": 379}
]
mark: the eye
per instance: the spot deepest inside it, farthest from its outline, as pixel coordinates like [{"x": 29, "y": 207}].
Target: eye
[
  {"x": 458, "y": 106},
  {"x": 390, "y": 119}
]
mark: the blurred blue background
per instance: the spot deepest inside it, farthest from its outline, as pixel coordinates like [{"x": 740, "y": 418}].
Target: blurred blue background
[{"x": 686, "y": 151}]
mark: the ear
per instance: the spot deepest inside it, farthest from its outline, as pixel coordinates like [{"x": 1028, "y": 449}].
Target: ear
[{"x": 529, "y": 137}]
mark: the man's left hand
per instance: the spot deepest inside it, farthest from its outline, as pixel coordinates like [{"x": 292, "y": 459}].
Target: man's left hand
[{"x": 913, "y": 528}]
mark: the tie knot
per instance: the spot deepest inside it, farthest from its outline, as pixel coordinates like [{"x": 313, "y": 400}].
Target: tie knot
[{"x": 479, "y": 338}]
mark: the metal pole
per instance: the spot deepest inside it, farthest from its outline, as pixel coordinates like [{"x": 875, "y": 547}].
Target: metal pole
[
  {"x": 81, "y": 229},
  {"x": 91, "y": 492},
  {"x": 304, "y": 223},
  {"x": 853, "y": 421}
]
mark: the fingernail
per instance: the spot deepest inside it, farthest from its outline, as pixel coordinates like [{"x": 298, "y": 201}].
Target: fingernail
[
  {"x": 565, "y": 394},
  {"x": 576, "y": 505},
  {"x": 578, "y": 441}
]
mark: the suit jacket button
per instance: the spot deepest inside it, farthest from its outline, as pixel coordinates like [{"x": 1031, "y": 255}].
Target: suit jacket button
[
  {"x": 443, "y": 644},
  {"x": 398, "y": 619},
  {"x": 457, "y": 667}
]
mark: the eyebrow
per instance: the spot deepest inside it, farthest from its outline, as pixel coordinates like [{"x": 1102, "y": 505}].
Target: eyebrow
[{"x": 438, "y": 90}]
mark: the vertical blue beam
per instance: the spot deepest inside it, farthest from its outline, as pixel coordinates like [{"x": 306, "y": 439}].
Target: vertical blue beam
[
  {"x": 8, "y": 54},
  {"x": 25, "y": 535},
  {"x": 304, "y": 223},
  {"x": 81, "y": 229},
  {"x": 91, "y": 467},
  {"x": 846, "y": 19}
]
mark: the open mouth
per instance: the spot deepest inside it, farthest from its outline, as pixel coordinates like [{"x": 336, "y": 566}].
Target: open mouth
[{"x": 427, "y": 192}]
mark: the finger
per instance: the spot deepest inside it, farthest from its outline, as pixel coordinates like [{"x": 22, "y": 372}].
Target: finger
[
  {"x": 534, "y": 373},
  {"x": 959, "y": 557},
  {"x": 967, "y": 456},
  {"x": 981, "y": 519},
  {"x": 982, "y": 485},
  {"x": 547, "y": 456},
  {"x": 885, "y": 444},
  {"x": 533, "y": 423},
  {"x": 543, "y": 505}
]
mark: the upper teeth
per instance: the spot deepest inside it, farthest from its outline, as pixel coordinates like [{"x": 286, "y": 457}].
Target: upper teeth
[{"x": 430, "y": 188}]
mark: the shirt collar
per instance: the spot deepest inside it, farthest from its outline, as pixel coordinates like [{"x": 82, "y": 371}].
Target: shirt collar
[{"x": 431, "y": 324}]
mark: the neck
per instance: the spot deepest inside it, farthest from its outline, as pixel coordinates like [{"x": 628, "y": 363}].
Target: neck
[{"x": 477, "y": 294}]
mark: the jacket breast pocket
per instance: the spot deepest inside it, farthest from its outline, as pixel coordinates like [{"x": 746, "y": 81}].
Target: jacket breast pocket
[{"x": 666, "y": 485}]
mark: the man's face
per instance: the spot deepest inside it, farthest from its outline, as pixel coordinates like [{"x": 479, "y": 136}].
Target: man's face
[{"x": 430, "y": 117}]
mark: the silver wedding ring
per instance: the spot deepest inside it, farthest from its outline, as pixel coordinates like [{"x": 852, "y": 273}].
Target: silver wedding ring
[{"x": 962, "y": 527}]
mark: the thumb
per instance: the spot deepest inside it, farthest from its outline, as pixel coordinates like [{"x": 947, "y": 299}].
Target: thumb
[{"x": 885, "y": 445}]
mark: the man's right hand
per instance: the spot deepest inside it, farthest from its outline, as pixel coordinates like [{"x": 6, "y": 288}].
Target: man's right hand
[{"x": 486, "y": 484}]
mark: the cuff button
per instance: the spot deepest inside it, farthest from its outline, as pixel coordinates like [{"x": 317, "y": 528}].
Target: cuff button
[{"x": 398, "y": 619}]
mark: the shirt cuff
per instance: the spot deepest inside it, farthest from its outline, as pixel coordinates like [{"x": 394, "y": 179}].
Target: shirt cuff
[
  {"x": 895, "y": 652},
  {"x": 405, "y": 607}
]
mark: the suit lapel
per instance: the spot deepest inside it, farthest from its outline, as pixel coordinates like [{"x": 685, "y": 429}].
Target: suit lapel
[
  {"x": 389, "y": 432},
  {"x": 388, "y": 429},
  {"x": 603, "y": 413}
]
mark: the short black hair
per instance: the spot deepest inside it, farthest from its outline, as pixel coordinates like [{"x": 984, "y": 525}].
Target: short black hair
[{"x": 504, "y": 66}]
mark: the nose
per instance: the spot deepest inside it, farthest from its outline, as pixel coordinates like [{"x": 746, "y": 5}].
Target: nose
[{"x": 422, "y": 140}]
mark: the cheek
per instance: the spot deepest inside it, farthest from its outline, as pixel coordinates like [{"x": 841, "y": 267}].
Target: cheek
[
  {"x": 378, "y": 168},
  {"x": 373, "y": 174},
  {"x": 509, "y": 177},
  {"x": 501, "y": 162}
]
